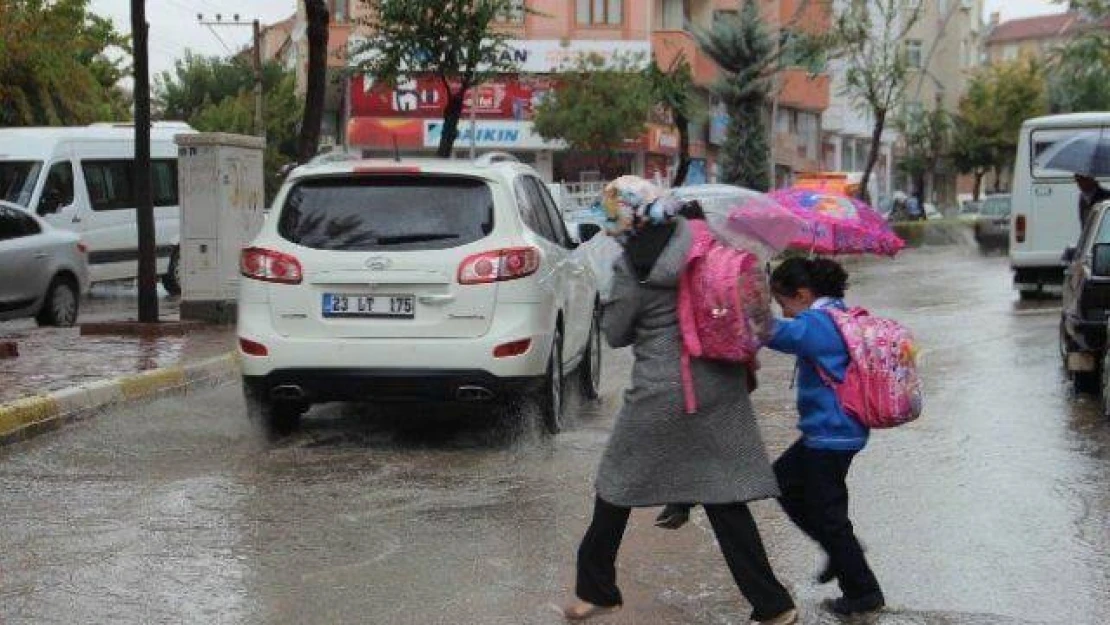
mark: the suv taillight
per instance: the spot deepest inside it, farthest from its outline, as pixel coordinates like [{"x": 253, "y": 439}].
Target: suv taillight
[
  {"x": 499, "y": 265},
  {"x": 1019, "y": 228},
  {"x": 269, "y": 266}
]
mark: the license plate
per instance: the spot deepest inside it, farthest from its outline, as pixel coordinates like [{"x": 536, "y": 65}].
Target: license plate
[{"x": 369, "y": 306}]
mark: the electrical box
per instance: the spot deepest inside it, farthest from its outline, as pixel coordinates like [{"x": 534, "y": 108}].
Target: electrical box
[{"x": 222, "y": 199}]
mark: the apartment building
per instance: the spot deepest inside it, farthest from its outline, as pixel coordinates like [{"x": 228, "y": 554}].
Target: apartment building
[{"x": 1033, "y": 37}]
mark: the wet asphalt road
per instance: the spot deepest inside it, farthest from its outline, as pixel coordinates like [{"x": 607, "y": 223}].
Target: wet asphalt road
[{"x": 994, "y": 508}]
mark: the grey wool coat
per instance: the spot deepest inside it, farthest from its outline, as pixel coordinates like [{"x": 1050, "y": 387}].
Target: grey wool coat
[{"x": 657, "y": 453}]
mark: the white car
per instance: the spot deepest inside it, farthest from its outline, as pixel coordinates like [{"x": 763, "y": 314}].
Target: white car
[
  {"x": 426, "y": 280},
  {"x": 43, "y": 270}
]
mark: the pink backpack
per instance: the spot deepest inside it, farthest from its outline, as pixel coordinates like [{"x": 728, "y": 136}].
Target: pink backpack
[
  {"x": 724, "y": 306},
  {"x": 882, "y": 387}
]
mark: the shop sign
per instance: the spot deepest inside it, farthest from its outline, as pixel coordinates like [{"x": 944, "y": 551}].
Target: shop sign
[
  {"x": 490, "y": 134},
  {"x": 506, "y": 97}
]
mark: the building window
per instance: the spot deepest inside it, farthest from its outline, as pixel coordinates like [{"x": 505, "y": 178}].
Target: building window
[
  {"x": 600, "y": 12},
  {"x": 913, "y": 53},
  {"x": 515, "y": 14},
  {"x": 1010, "y": 52},
  {"x": 339, "y": 11},
  {"x": 674, "y": 14}
]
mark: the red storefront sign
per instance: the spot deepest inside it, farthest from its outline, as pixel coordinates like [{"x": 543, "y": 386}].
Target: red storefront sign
[
  {"x": 507, "y": 97},
  {"x": 381, "y": 132}
]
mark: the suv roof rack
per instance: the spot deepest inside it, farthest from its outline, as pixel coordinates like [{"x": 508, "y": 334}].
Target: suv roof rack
[{"x": 491, "y": 158}]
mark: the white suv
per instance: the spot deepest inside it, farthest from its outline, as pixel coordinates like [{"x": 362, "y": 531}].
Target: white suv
[{"x": 425, "y": 280}]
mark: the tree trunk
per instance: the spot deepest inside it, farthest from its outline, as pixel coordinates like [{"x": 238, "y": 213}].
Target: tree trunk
[
  {"x": 683, "y": 150},
  {"x": 997, "y": 179},
  {"x": 452, "y": 113},
  {"x": 919, "y": 192},
  {"x": 876, "y": 147},
  {"x": 316, "y": 12},
  {"x": 979, "y": 174}
]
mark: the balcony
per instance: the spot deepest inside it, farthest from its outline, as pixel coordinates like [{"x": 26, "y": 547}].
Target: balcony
[
  {"x": 668, "y": 45},
  {"x": 799, "y": 90}
]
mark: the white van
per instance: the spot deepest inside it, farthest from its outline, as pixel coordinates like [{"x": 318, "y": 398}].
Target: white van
[
  {"x": 1045, "y": 203},
  {"x": 81, "y": 179}
]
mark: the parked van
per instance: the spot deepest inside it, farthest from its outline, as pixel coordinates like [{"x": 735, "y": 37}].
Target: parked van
[
  {"x": 82, "y": 179},
  {"x": 1045, "y": 202}
]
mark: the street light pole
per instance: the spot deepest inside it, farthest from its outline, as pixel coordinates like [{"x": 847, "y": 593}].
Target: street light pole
[{"x": 144, "y": 199}]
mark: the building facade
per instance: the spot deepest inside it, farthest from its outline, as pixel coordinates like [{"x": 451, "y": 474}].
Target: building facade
[
  {"x": 1030, "y": 38},
  {"x": 378, "y": 120}
]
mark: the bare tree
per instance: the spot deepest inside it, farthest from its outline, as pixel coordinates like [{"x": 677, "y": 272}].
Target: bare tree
[
  {"x": 316, "y": 13},
  {"x": 868, "y": 39}
]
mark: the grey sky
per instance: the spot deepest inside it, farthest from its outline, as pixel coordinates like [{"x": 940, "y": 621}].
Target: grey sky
[{"x": 174, "y": 27}]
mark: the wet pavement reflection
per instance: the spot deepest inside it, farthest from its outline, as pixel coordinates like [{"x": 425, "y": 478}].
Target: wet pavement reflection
[{"x": 994, "y": 508}]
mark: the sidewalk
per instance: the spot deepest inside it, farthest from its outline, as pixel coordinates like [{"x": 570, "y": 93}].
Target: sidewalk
[{"x": 60, "y": 375}]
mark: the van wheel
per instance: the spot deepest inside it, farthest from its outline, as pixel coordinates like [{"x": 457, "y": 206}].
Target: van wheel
[
  {"x": 171, "y": 281},
  {"x": 589, "y": 371},
  {"x": 551, "y": 397},
  {"x": 61, "y": 304}
]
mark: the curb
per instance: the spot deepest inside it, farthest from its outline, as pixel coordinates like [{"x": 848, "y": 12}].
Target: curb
[{"x": 28, "y": 417}]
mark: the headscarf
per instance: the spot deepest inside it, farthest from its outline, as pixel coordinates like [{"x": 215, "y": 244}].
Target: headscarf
[{"x": 629, "y": 204}]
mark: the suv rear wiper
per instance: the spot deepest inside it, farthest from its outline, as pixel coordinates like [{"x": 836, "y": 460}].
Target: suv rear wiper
[{"x": 416, "y": 238}]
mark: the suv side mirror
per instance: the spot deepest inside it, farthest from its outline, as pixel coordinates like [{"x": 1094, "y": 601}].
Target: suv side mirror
[
  {"x": 588, "y": 231},
  {"x": 1068, "y": 255},
  {"x": 1100, "y": 263}
]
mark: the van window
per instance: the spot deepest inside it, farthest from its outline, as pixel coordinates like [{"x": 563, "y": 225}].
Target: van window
[
  {"x": 58, "y": 190},
  {"x": 388, "y": 212},
  {"x": 111, "y": 184},
  {"x": 1046, "y": 143},
  {"x": 17, "y": 180}
]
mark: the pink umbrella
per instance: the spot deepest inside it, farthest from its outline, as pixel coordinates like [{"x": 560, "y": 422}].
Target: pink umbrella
[{"x": 816, "y": 221}]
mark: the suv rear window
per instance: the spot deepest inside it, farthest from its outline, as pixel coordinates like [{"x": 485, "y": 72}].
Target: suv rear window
[{"x": 386, "y": 212}]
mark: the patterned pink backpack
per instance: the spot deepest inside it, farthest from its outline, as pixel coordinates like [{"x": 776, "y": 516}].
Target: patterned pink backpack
[
  {"x": 882, "y": 387},
  {"x": 724, "y": 306}
]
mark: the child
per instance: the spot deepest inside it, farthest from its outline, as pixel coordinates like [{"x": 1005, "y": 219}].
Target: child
[{"x": 811, "y": 474}]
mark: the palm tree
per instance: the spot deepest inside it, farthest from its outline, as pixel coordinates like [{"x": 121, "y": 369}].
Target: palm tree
[{"x": 744, "y": 50}]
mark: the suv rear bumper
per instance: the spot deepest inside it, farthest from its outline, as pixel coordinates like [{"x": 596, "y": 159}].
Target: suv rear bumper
[{"x": 397, "y": 385}]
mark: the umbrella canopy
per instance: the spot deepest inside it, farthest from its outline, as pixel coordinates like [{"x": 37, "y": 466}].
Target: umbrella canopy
[
  {"x": 1087, "y": 153},
  {"x": 775, "y": 227},
  {"x": 819, "y": 222}
]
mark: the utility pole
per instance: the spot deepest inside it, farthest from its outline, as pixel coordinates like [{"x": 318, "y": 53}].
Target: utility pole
[
  {"x": 259, "y": 122},
  {"x": 144, "y": 198}
]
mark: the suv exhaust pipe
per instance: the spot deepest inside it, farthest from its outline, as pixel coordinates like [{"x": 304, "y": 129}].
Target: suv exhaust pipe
[
  {"x": 287, "y": 392},
  {"x": 473, "y": 393}
]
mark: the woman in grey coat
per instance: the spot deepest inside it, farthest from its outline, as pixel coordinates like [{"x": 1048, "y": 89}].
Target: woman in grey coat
[{"x": 658, "y": 454}]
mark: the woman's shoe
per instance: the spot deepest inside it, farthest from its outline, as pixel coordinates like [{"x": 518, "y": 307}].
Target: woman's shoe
[
  {"x": 579, "y": 610},
  {"x": 673, "y": 516},
  {"x": 790, "y": 617},
  {"x": 866, "y": 604}
]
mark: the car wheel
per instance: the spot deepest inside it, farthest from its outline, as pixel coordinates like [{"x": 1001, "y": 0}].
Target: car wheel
[
  {"x": 1105, "y": 387},
  {"x": 171, "y": 281},
  {"x": 277, "y": 418},
  {"x": 1027, "y": 295},
  {"x": 551, "y": 397},
  {"x": 589, "y": 371},
  {"x": 61, "y": 304},
  {"x": 1088, "y": 381}
]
